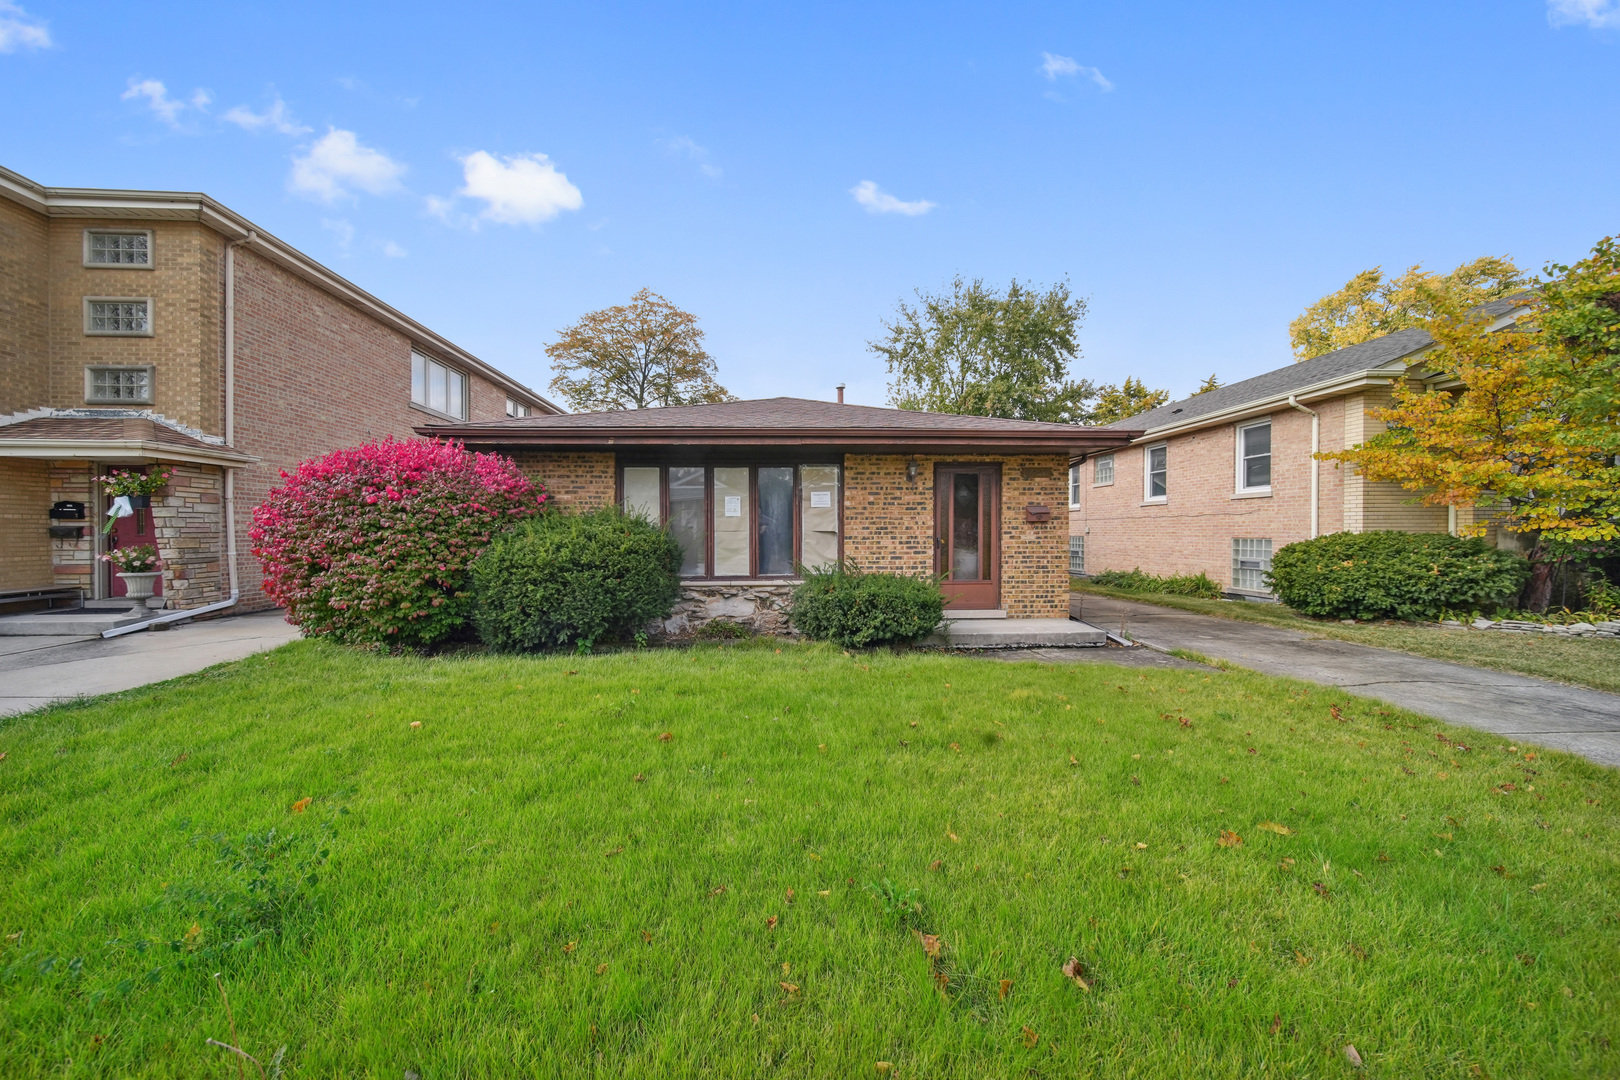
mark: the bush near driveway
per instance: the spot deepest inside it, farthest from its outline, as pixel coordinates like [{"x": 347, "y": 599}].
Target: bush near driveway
[
  {"x": 1394, "y": 575},
  {"x": 575, "y": 579},
  {"x": 1199, "y": 584},
  {"x": 371, "y": 545},
  {"x": 856, "y": 609}
]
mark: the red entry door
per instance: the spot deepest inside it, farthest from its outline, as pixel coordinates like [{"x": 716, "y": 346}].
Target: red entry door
[
  {"x": 967, "y": 531},
  {"x": 132, "y": 531}
]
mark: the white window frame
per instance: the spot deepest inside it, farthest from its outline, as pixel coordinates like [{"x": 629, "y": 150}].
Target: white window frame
[
  {"x": 1074, "y": 487},
  {"x": 151, "y": 316},
  {"x": 1077, "y": 555},
  {"x": 1241, "y": 554},
  {"x": 516, "y": 410},
  {"x": 151, "y": 250},
  {"x": 428, "y": 363},
  {"x": 1147, "y": 474},
  {"x": 89, "y": 384},
  {"x": 1096, "y": 471},
  {"x": 1237, "y": 450}
]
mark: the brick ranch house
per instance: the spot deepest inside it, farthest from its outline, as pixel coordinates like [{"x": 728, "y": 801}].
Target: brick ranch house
[
  {"x": 754, "y": 489},
  {"x": 154, "y": 327},
  {"x": 1218, "y": 481}
]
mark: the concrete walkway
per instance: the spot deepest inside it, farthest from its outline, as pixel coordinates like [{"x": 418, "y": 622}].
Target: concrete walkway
[
  {"x": 1518, "y": 707},
  {"x": 35, "y": 671}
]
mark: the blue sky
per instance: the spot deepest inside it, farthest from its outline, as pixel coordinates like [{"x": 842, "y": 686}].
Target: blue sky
[{"x": 1199, "y": 172}]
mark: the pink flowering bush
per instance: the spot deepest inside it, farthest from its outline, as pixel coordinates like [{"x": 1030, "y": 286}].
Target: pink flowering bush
[{"x": 372, "y": 544}]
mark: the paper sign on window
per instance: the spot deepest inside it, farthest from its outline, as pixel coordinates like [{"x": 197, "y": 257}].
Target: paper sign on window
[
  {"x": 733, "y": 506},
  {"x": 821, "y": 498}
]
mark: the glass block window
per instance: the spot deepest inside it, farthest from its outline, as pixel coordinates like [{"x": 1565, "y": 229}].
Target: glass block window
[
  {"x": 118, "y": 249},
  {"x": 1157, "y": 460},
  {"x": 1254, "y": 457},
  {"x": 442, "y": 389},
  {"x": 1251, "y": 561},
  {"x": 1074, "y": 485},
  {"x": 118, "y": 385},
  {"x": 516, "y": 408},
  {"x": 1103, "y": 471},
  {"x": 1077, "y": 556},
  {"x": 118, "y": 317}
]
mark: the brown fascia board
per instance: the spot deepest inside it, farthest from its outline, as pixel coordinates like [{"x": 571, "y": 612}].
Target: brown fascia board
[
  {"x": 869, "y": 440},
  {"x": 196, "y": 206}
]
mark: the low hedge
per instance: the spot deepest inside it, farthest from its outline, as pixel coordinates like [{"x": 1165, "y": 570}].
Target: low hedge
[
  {"x": 1394, "y": 575},
  {"x": 1199, "y": 584},
  {"x": 858, "y": 609},
  {"x": 574, "y": 579}
]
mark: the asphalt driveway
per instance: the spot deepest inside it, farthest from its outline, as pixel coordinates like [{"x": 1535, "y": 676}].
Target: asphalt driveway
[{"x": 1518, "y": 707}]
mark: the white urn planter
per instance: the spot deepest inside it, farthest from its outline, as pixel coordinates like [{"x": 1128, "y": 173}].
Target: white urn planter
[{"x": 140, "y": 587}]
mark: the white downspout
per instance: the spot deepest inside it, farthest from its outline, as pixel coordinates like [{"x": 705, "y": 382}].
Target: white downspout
[
  {"x": 1316, "y": 466},
  {"x": 230, "y": 471}
]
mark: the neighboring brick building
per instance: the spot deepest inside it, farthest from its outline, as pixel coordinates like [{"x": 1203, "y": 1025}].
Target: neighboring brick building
[
  {"x": 148, "y": 327},
  {"x": 755, "y": 489},
  {"x": 1216, "y": 482}
]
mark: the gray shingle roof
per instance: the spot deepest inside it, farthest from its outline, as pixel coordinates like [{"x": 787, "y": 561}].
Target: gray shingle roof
[{"x": 1338, "y": 364}]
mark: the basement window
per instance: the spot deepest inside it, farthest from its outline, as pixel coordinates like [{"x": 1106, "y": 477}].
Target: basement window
[{"x": 1251, "y": 561}]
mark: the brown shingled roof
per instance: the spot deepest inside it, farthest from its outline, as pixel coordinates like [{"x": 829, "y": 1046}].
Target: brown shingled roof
[
  {"x": 121, "y": 435},
  {"x": 781, "y": 421}
]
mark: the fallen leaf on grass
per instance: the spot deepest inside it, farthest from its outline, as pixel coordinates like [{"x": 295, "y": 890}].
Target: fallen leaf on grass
[
  {"x": 930, "y": 942},
  {"x": 1137, "y": 780},
  {"x": 1030, "y": 1038},
  {"x": 1383, "y": 856},
  {"x": 822, "y": 747},
  {"x": 790, "y": 896},
  {"x": 954, "y": 838},
  {"x": 1525, "y": 958},
  {"x": 788, "y": 988},
  {"x": 1228, "y": 838},
  {"x": 956, "y": 747},
  {"x": 1538, "y": 886},
  {"x": 1006, "y": 988},
  {"x": 571, "y": 946},
  {"x": 172, "y": 764},
  {"x": 1077, "y": 973},
  {"x": 824, "y": 892},
  {"x": 1333, "y": 711},
  {"x": 646, "y": 935},
  {"x": 601, "y": 969},
  {"x": 1141, "y": 846},
  {"x": 1252, "y": 750},
  {"x": 1287, "y": 863},
  {"x": 666, "y": 736},
  {"x": 1272, "y": 826},
  {"x": 570, "y": 673},
  {"x": 639, "y": 778},
  {"x": 1226, "y": 779},
  {"x": 914, "y": 723},
  {"x": 770, "y": 923},
  {"x": 301, "y": 805},
  {"x": 786, "y": 967},
  {"x": 935, "y": 865},
  {"x": 883, "y": 1068},
  {"x": 1353, "y": 1057},
  {"x": 1322, "y": 890},
  {"x": 1276, "y": 1023},
  {"x": 1073, "y": 760},
  {"x": 416, "y": 723},
  {"x": 717, "y": 890},
  {"x": 1300, "y": 958}
]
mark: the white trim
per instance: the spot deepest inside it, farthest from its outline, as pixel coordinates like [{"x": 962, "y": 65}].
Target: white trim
[
  {"x": 151, "y": 250},
  {"x": 1148, "y": 498},
  {"x": 151, "y": 316},
  {"x": 1074, "y": 485},
  {"x": 1237, "y": 450},
  {"x": 112, "y": 450},
  {"x": 151, "y": 384}
]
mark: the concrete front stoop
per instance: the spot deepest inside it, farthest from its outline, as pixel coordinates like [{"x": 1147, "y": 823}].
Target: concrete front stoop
[
  {"x": 72, "y": 622},
  {"x": 1004, "y": 633}
]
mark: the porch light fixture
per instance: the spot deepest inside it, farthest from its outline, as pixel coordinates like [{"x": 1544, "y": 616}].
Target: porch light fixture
[{"x": 911, "y": 470}]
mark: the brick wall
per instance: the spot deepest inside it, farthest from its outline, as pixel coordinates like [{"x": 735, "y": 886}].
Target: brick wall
[
  {"x": 24, "y": 307},
  {"x": 187, "y": 526},
  {"x": 73, "y": 562},
  {"x": 25, "y": 499},
  {"x": 577, "y": 480},
  {"x": 889, "y": 524}
]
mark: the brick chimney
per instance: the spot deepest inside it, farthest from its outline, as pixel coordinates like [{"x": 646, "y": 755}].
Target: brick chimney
[{"x": 840, "y": 393}]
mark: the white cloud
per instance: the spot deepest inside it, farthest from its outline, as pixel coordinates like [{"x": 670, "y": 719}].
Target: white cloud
[
  {"x": 158, "y": 100},
  {"x": 336, "y": 164},
  {"x": 276, "y": 117},
  {"x": 342, "y": 229},
  {"x": 681, "y": 146},
  {"x": 20, "y": 30},
  {"x": 1053, "y": 66},
  {"x": 522, "y": 190},
  {"x": 878, "y": 201},
  {"x": 393, "y": 250},
  {"x": 1599, "y": 14}
]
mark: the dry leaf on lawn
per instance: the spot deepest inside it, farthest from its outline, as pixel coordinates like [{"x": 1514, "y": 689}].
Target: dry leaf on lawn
[
  {"x": 601, "y": 968},
  {"x": 1077, "y": 972},
  {"x": 930, "y": 942},
  {"x": 1030, "y": 1038},
  {"x": 666, "y": 736},
  {"x": 770, "y": 923},
  {"x": 1228, "y": 838},
  {"x": 571, "y": 946},
  {"x": 416, "y": 723},
  {"x": 953, "y": 837},
  {"x": 1272, "y": 826},
  {"x": 301, "y": 805},
  {"x": 788, "y": 988},
  {"x": 1006, "y": 988},
  {"x": 717, "y": 890},
  {"x": 1353, "y": 1057},
  {"x": 790, "y": 896},
  {"x": 1276, "y": 1023},
  {"x": 884, "y": 1068},
  {"x": 646, "y": 935}
]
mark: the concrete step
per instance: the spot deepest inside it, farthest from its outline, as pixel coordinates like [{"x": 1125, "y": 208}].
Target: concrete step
[
  {"x": 72, "y": 622},
  {"x": 1016, "y": 634},
  {"x": 983, "y": 613}
]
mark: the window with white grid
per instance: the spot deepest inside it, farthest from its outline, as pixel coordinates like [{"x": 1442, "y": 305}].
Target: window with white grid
[
  {"x": 118, "y": 248},
  {"x": 118, "y": 385},
  {"x": 1103, "y": 471},
  {"x": 1074, "y": 485},
  {"x": 1251, "y": 561},
  {"x": 118, "y": 316},
  {"x": 516, "y": 408},
  {"x": 1077, "y": 555}
]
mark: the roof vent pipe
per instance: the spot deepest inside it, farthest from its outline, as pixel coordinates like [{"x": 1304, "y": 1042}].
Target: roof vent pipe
[{"x": 840, "y": 393}]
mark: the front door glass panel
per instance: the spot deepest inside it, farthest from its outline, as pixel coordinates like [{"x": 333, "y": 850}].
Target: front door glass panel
[{"x": 965, "y": 526}]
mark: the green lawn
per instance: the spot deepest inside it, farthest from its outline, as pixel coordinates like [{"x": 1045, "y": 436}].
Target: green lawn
[
  {"x": 1593, "y": 662},
  {"x": 535, "y": 882}
]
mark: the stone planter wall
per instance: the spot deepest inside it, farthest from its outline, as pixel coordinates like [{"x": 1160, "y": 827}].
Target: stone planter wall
[{"x": 760, "y": 606}]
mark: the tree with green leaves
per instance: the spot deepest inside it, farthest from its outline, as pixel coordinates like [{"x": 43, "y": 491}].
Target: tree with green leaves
[
  {"x": 1368, "y": 306},
  {"x": 641, "y": 355},
  {"x": 1211, "y": 383},
  {"x": 1125, "y": 400},
  {"x": 979, "y": 351}
]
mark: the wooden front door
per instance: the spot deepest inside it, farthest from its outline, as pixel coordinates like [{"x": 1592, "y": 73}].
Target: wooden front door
[
  {"x": 967, "y": 534},
  {"x": 133, "y": 531}
]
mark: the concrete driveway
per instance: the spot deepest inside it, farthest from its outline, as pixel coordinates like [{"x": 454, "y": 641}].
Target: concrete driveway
[
  {"x": 35, "y": 671},
  {"x": 1517, "y": 707}
]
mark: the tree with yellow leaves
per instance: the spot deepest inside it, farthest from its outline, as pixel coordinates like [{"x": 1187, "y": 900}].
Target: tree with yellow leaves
[
  {"x": 1528, "y": 420},
  {"x": 640, "y": 355},
  {"x": 1369, "y": 306}
]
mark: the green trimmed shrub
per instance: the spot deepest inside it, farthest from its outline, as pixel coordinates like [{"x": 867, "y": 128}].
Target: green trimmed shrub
[
  {"x": 1394, "y": 575},
  {"x": 856, "y": 609},
  {"x": 574, "y": 579},
  {"x": 1199, "y": 584}
]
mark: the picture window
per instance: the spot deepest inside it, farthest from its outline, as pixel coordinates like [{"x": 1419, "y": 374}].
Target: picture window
[{"x": 437, "y": 387}]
